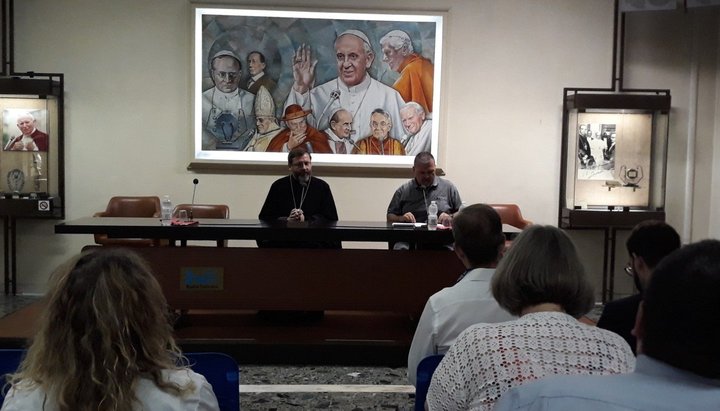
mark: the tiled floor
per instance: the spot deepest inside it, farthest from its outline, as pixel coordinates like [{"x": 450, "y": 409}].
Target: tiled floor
[{"x": 324, "y": 388}]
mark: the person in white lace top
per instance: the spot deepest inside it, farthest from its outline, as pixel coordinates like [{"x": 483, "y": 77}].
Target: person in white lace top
[{"x": 542, "y": 280}]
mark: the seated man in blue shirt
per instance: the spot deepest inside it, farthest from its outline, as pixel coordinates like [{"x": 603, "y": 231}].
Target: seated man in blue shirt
[
  {"x": 410, "y": 202},
  {"x": 678, "y": 365}
]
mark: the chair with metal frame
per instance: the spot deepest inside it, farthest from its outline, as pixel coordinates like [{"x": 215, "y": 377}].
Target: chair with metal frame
[{"x": 130, "y": 206}]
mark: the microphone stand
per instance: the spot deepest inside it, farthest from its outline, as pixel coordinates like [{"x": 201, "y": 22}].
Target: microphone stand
[{"x": 192, "y": 204}]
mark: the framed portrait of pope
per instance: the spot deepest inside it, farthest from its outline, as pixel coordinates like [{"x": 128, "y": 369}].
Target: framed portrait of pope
[{"x": 353, "y": 88}]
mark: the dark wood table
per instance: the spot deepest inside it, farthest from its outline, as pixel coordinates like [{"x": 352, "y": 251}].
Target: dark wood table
[
  {"x": 392, "y": 284},
  {"x": 235, "y": 229}
]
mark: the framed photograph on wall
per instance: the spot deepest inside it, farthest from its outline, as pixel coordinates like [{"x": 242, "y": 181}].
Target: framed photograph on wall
[
  {"x": 29, "y": 146},
  {"x": 355, "y": 89}
]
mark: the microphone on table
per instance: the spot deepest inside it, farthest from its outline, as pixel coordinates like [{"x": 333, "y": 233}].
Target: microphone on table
[{"x": 192, "y": 204}]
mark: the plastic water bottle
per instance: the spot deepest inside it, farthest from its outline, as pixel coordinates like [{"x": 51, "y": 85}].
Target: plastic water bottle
[
  {"x": 166, "y": 210},
  {"x": 432, "y": 216}
]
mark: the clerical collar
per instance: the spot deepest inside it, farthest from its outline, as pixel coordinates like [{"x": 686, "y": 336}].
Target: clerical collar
[
  {"x": 364, "y": 85},
  {"x": 334, "y": 137},
  {"x": 274, "y": 128},
  {"x": 229, "y": 95}
]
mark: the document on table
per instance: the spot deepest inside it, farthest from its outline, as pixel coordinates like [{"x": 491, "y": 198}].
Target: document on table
[{"x": 408, "y": 225}]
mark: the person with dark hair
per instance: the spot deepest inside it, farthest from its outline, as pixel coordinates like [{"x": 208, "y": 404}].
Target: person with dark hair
[
  {"x": 299, "y": 197},
  {"x": 410, "y": 202},
  {"x": 258, "y": 76},
  {"x": 584, "y": 150},
  {"x": 340, "y": 132},
  {"x": 678, "y": 365},
  {"x": 648, "y": 243},
  {"x": 542, "y": 280},
  {"x": 105, "y": 342},
  {"x": 479, "y": 241}
]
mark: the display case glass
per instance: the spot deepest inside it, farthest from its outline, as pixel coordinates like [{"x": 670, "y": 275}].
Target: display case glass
[
  {"x": 31, "y": 152},
  {"x": 614, "y": 152}
]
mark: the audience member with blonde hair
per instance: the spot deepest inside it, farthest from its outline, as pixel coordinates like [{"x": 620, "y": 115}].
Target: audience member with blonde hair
[
  {"x": 105, "y": 343},
  {"x": 541, "y": 280}
]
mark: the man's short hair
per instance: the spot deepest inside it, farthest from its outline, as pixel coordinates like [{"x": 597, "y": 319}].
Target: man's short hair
[
  {"x": 681, "y": 310},
  {"x": 478, "y": 233},
  {"x": 652, "y": 240},
  {"x": 542, "y": 266},
  {"x": 297, "y": 152},
  {"x": 262, "y": 56},
  {"x": 423, "y": 157},
  {"x": 336, "y": 114}
]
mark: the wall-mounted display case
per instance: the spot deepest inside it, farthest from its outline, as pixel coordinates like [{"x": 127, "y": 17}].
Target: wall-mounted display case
[
  {"x": 31, "y": 149},
  {"x": 614, "y": 158}
]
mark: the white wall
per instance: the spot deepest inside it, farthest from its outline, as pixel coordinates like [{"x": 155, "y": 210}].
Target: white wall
[{"x": 128, "y": 118}]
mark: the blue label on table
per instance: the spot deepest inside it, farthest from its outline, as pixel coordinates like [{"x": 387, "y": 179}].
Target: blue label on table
[{"x": 201, "y": 278}]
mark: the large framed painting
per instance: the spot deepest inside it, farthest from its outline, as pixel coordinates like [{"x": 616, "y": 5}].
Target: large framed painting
[{"x": 355, "y": 89}]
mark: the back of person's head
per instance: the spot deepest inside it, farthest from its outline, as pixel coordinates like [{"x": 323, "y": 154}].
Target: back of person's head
[
  {"x": 542, "y": 266},
  {"x": 478, "y": 233},
  {"x": 105, "y": 325},
  {"x": 681, "y": 310},
  {"x": 652, "y": 240}
]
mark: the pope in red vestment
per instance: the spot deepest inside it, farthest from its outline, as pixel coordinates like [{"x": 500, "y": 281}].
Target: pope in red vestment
[{"x": 299, "y": 133}]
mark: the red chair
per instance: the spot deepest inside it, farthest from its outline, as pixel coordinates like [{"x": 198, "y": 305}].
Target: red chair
[
  {"x": 510, "y": 214},
  {"x": 128, "y": 206},
  {"x": 204, "y": 211}
]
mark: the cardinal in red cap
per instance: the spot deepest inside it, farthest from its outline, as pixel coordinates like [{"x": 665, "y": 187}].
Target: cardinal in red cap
[{"x": 299, "y": 133}]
